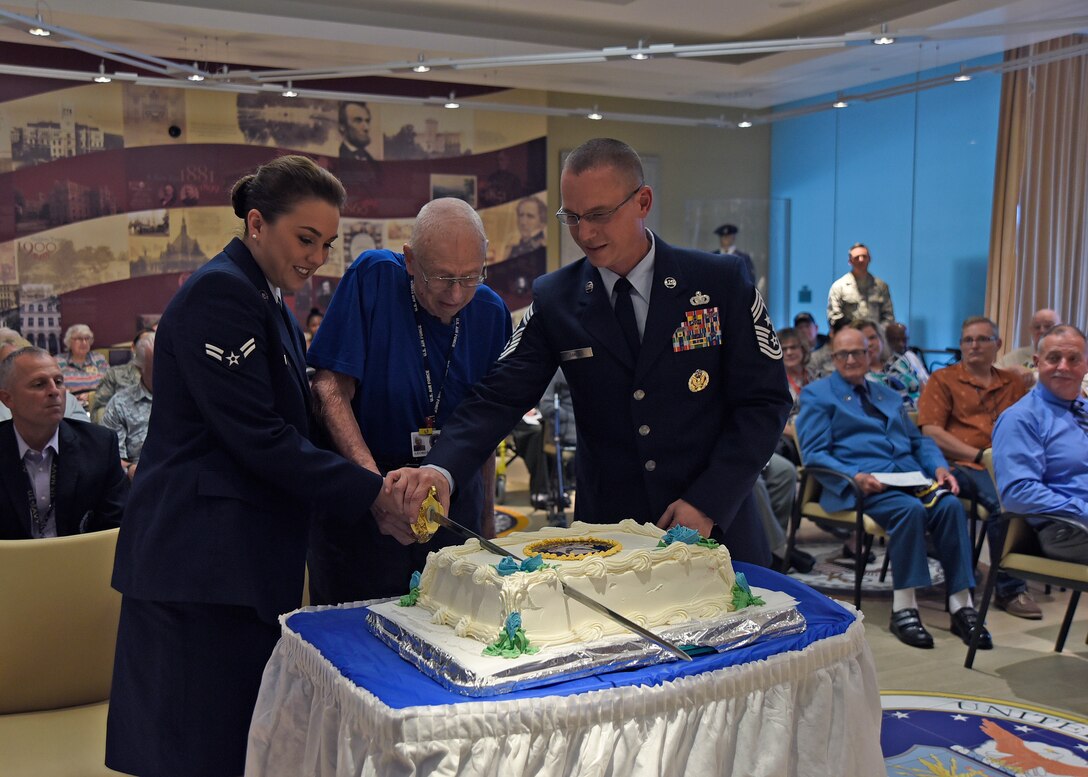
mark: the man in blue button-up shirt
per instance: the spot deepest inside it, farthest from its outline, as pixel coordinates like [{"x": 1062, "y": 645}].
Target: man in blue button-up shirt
[{"x": 1041, "y": 446}]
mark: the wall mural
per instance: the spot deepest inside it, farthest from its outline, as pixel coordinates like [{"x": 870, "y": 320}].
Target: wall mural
[{"x": 112, "y": 194}]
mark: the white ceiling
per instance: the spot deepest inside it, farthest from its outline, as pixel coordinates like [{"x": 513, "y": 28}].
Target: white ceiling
[{"x": 351, "y": 33}]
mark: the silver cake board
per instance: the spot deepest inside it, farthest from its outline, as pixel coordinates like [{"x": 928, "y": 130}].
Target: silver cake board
[{"x": 458, "y": 663}]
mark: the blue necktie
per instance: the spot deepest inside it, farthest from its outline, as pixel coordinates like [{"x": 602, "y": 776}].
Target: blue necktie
[
  {"x": 1080, "y": 413},
  {"x": 625, "y": 314}
]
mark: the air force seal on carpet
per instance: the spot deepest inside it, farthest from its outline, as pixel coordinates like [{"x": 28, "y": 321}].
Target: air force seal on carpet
[
  {"x": 766, "y": 338},
  {"x": 232, "y": 359}
]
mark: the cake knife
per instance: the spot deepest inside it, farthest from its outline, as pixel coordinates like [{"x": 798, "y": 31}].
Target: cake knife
[{"x": 431, "y": 511}]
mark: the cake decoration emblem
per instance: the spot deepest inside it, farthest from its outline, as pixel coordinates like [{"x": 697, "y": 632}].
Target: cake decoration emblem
[{"x": 572, "y": 548}]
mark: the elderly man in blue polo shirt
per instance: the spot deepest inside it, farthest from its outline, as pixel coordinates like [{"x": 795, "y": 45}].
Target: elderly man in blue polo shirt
[
  {"x": 851, "y": 425},
  {"x": 403, "y": 341},
  {"x": 1041, "y": 446}
]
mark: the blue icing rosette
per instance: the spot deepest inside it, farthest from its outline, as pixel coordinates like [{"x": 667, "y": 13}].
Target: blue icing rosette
[
  {"x": 508, "y": 566},
  {"x": 681, "y": 534}
]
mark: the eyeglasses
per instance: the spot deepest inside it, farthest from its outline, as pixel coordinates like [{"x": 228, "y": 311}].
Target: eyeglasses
[
  {"x": 858, "y": 355},
  {"x": 596, "y": 217},
  {"x": 969, "y": 341},
  {"x": 447, "y": 282}
]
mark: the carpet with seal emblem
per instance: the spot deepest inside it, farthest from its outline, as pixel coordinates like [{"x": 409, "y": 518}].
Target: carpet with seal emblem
[{"x": 946, "y": 735}]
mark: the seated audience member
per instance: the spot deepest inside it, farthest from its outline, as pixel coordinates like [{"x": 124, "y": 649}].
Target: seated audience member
[
  {"x": 82, "y": 368},
  {"x": 130, "y": 408},
  {"x": 795, "y": 357},
  {"x": 10, "y": 342},
  {"x": 117, "y": 377},
  {"x": 774, "y": 494},
  {"x": 805, "y": 325},
  {"x": 848, "y": 424},
  {"x": 957, "y": 409},
  {"x": 905, "y": 361},
  {"x": 821, "y": 362},
  {"x": 907, "y": 390},
  {"x": 1023, "y": 359},
  {"x": 57, "y": 476},
  {"x": 1041, "y": 446}
]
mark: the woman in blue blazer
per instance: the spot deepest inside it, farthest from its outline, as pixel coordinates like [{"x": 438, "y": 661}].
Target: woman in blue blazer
[{"x": 213, "y": 541}]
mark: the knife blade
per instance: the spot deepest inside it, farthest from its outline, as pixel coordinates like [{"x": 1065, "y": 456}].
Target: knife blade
[{"x": 434, "y": 513}]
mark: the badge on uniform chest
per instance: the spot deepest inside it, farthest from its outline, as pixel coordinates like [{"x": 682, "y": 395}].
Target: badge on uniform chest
[{"x": 701, "y": 328}]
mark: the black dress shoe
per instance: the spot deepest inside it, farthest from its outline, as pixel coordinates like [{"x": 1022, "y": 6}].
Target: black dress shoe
[
  {"x": 964, "y": 621},
  {"x": 801, "y": 561},
  {"x": 848, "y": 552},
  {"x": 908, "y": 628}
]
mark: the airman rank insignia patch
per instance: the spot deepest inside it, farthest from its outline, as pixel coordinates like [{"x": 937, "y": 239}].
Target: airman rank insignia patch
[
  {"x": 700, "y": 329},
  {"x": 766, "y": 337},
  {"x": 232, "y": 359}
]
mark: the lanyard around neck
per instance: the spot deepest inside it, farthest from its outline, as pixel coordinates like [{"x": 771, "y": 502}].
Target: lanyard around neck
[
  {"x": 433, "y": 400},
  {"x": 37, "y": 520}
]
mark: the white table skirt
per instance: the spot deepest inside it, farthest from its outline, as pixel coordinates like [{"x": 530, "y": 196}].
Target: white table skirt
[{"x": 810, "y": 712}]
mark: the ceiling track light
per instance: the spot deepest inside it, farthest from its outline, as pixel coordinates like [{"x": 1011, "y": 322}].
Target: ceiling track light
[
  {"x": 421, "y": 66},
  {"x": 102, "y": 78},
  {"x": 839, "y": 103},
  {"x": 196, "y": 76},
  {"x": 962, "y": 77},
  {"x": 884, "y": 39},
  {"x": 594, "y": 115},
  {"x": 452, "y": 103},
  {"x": 744, "y": 123},
  {"x": 38, "y": 30},
  {"x": 639, "y": 53},
  {"x": 289, "y": 91}
]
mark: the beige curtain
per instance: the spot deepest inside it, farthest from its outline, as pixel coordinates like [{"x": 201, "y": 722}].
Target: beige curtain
[{"x": 1039, "y": 233}]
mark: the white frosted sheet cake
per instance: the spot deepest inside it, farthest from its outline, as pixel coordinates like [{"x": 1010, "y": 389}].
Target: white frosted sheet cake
[{"x": 651, "y": 585}]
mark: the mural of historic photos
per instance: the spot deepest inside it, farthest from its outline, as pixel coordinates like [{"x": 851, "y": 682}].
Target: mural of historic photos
[
  {"x": 111, "y": 195},
  {"x": 517, "y": 249},
  {"x": 63, "y": 124},
  {"x": 153, "y": 115},
  {"x": 423, "y": 132},
  {"x": 463, "y": 187}
]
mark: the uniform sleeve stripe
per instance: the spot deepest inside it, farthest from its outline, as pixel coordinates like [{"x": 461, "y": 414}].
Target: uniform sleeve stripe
[{"x": 515, "y": 338}]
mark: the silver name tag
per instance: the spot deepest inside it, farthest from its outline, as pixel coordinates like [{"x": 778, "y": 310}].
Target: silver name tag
[{"x": 577, "y": 353}]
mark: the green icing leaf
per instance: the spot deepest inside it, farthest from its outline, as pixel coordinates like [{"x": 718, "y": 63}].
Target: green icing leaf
[
  {"x": 745, "y": 598},
  {"x": 409, "y": 599},
  {"x": 507, "y": 647}
]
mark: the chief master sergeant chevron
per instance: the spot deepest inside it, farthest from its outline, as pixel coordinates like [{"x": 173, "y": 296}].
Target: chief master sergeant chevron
[{"x": 674, "y": 368}]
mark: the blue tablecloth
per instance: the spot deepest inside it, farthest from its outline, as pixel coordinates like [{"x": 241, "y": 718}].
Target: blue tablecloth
[{"x": 342, "y": 637}]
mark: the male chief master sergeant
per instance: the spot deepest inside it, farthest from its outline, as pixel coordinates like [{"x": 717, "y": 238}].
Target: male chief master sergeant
[{"x": 673, "y": 426}]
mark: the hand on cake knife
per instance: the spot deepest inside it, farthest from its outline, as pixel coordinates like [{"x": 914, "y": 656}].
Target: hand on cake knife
[{"x": 431, "y": 515}]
